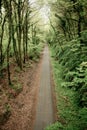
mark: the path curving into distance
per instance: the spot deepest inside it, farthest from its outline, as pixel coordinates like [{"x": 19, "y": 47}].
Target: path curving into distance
[{"x": 44, "y": 110}]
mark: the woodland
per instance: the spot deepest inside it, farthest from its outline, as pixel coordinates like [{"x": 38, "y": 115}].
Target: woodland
[
  {"x": 68, "y": 40},
  {"x": 22, "y": 37}
]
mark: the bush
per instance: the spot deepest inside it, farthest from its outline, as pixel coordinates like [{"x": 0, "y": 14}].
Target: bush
[
  {"x": 55, "y": 126},
  {"x": 35, "y": 51},
  {"x": 71, "y": 89}
]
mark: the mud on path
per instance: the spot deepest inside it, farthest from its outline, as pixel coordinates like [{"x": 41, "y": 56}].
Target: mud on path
[{"x": 23, "y": 105}]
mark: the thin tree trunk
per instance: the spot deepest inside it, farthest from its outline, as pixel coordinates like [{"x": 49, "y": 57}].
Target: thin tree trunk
[
  {"x": 24, "y": 43},
  {"x": 8, "y": 62},
  {"x": 26, "y": 24},
  {"x": 19, "y": 33},
  {"x": 9, "y": 41},
  {"x": 1, "y": 46}
]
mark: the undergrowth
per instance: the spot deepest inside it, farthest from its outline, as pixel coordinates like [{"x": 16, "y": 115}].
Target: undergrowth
[
  {"x": 34, "y": 52},
  {"x": 71, "y": 104}
]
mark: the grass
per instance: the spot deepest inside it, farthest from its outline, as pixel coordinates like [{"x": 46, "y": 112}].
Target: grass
[{"x": 68, "y": 111}]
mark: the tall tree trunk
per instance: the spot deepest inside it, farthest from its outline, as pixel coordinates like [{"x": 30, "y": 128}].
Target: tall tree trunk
[
  {"x": 19, "y": 33},
  {"x": 9, "y": 40},
  {"x": 26, "y": 24},
  {"x": 15, "y": 46},
  {"x": 0, "y": 6},
  {"x": 8, "y": 62},
  {"x": 1, "y": 46},
  {"x": 24, "y": 41}
]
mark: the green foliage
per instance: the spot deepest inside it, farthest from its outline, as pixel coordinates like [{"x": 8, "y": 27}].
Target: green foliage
[
  {"x": 74, "y": 61},
  {"x": 35, "y": 51},
  {"x": 17, "y": 87},
  {"x": 7, "y": 108},
  {"x": 17, "y": 31},
  {"x": 17, "y": 69},
  {"x": 83, "y": 118},
  {"x": 77, "y": 80},
  {"x": 71, "y": 95},
  {"x": 6, "y": 114},
  {"x": 56, "y": 126},
  {"x": 69, "y": 41}
]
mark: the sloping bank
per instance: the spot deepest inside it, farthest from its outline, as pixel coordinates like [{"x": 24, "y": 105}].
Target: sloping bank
[{"x": 70, "y": 116}]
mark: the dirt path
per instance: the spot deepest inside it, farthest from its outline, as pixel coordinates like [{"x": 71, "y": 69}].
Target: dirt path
[
  {"x": 23, "y": 105},
  {"x": 44, "y": 113},
  {"x": 35, "y": 98}
]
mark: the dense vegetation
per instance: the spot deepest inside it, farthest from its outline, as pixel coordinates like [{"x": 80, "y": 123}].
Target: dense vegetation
[
  {"x": 21, "y": 43},
  {"x": 68, "y": 40},
  {"x": 19, "y": 33},
  {"x": 21, "y": 38}
]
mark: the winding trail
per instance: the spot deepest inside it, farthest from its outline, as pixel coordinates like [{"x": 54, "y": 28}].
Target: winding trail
[{"x": 44, "y": 110}]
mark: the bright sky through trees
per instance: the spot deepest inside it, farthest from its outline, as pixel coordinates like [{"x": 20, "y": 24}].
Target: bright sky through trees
[
  {"x": 45, "y": 13},
  {"x": 43, "y": 10}
]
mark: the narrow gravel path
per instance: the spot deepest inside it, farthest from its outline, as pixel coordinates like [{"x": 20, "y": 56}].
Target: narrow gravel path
[{"x": 44, "y": 111}]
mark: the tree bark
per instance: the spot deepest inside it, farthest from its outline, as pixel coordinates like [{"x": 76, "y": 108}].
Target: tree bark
[{"x": 1, "y": 46}]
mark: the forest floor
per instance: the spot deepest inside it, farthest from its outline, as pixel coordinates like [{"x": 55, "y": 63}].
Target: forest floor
[{"x": 18, "y": 108}]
